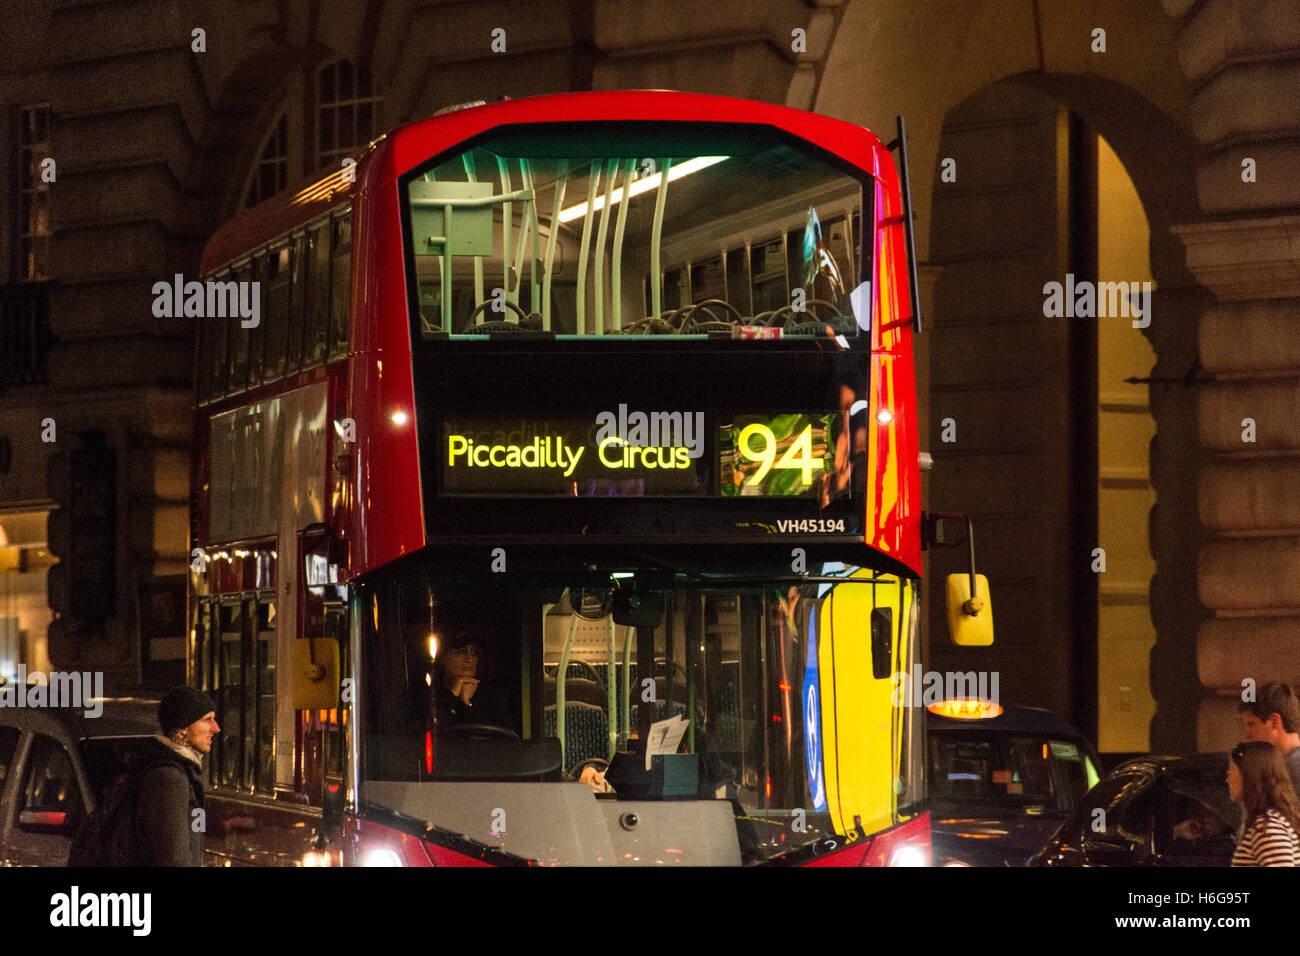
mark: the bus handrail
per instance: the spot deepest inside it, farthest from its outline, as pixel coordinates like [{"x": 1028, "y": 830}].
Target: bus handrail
[{"x": 560, "y": 678}]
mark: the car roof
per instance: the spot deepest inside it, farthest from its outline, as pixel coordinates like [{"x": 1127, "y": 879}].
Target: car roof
[
  {"x": 1172, "y": 763},
  {"x": 1024, "y": 720},
  {"x": 121, "y": 717}
]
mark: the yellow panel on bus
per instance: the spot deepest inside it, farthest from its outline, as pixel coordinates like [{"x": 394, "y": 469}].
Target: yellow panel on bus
[{"x": 860, "y": 733}]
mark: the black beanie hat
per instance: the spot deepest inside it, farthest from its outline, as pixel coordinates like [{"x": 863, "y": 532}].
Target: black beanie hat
[{"x": 183, "y": 706}]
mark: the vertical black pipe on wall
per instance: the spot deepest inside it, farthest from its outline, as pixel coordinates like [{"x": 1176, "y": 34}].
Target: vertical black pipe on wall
[{"x": 1083, "y": 480}]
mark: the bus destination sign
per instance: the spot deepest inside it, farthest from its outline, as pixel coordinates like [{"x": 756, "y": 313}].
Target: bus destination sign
[{"x": 635, "y": 455}]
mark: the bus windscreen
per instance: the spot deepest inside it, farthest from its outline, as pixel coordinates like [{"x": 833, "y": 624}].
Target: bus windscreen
[
  {"x": 744, "y": 234},
  {"x": 529, "y": 682}
]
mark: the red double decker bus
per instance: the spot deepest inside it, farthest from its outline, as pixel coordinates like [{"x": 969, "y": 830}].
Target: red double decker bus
[{"x": 562, "y": 503}]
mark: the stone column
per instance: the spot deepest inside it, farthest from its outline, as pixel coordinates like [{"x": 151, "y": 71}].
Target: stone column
[{"x": 1240, "y": 57}]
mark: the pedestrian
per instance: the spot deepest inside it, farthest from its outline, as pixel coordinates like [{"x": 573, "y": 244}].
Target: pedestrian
[
  {"x": 170, "y": 831},
  {"x": 1257, "y": 779},
  {"x": 1274, "y": 717}
]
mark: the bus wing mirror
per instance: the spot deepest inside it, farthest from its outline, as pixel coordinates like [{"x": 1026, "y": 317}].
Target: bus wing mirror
[
  {"x": 970, "y": 617},
  {"x": 324, "y": 562},
  {"x": 315, "y": 673},
  {"x": 970, "y": 608}
]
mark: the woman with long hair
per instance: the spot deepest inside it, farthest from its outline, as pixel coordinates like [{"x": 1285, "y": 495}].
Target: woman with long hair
[{"x": 1257, "y": 778}]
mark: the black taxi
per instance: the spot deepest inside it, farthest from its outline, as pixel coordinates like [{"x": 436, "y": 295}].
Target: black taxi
[{"x": 1002, "y": 780}]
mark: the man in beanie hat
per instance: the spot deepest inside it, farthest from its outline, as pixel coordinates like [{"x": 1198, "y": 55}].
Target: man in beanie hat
[{"x": 171, "y": 789}]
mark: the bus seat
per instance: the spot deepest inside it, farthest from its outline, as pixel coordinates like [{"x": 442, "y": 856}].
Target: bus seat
[
  {"x": 575, "y": 689},
  {"x": 586, "y": 731}
]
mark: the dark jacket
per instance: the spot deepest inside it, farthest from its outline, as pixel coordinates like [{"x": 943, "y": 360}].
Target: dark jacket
[
  {"x": 486, "y": 707},
  {"x": 169, "y": 832}
]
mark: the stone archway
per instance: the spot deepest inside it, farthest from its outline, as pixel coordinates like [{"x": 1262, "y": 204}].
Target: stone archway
[{"x": 926, "y": 60}]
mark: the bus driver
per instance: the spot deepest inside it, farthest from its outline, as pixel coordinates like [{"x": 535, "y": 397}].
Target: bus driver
[{"x": 460, "y": 696}]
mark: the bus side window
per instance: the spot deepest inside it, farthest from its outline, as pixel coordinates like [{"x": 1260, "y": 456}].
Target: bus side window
[
  {"x": 297, "y": 277},
  {"x": 257, "y": 334},
  {"x": 341, "y": 287},
  {"x": 239, "y": 339},
  {"x": 316, "y": 301},
  {"x": 277, "y": 310},
  {"x": 204, "y": 331},
  {"x": 218, "y": 330}
]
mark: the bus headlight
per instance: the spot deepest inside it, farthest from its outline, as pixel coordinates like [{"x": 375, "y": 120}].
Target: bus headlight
[
  {"x": 909, "y": 856},
  {"x": 381, "y": 856}
]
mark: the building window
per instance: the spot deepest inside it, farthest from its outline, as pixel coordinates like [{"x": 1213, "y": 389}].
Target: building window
[
  {"x": 346, "y": 113},
  {"x": 271, "y": 175},
  {"x": 32, "y": 225}
]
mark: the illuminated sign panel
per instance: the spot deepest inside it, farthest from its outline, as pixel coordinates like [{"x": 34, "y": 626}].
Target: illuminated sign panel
[
  {"x": 627, "y": 455},
  {"x": 775, "y": 455}
]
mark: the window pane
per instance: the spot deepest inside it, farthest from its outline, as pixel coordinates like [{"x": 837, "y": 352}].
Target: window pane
[
  {"x": 239, "y": 336},
  {"x": 249, "y": 716},
  {"x": 257, "y": 334},
  {"x": 231, "y": 669},
  {"x": 346, "y": 134},
  {"x": 297, "y": 273},
  {"x": 218, "y": 372},
  {"x": 51, "y": 784},
  {"x": 265, "y": 696},
  {"x": 318, "y": 296},
  {"x": 277, "y": 312},
  {"x": 345, "y": 81},
  {"x": 266, "y": 181},
  {"x": 326, "y": 129},
  {"x": 341, "y": 288},
  {"x": 202, "y": 381}
]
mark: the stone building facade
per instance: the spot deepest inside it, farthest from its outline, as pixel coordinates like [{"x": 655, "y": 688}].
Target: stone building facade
[{"x": 165, "y": 118}]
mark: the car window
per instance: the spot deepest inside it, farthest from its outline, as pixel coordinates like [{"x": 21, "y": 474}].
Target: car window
[
  {"x": 1025, "y": 772},
  {"x": 1137, "y": 815},
  {"x": 1119, "y": 811},
  {"x": 1202, "y": 820},
  {"x": 50, "y": 792},
  {"x": 8, "y": 744},
  {"x": 1074, "y": 770}
]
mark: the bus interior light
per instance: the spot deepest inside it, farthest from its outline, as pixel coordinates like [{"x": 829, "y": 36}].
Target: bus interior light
[{"x": 643, "y": 185}]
